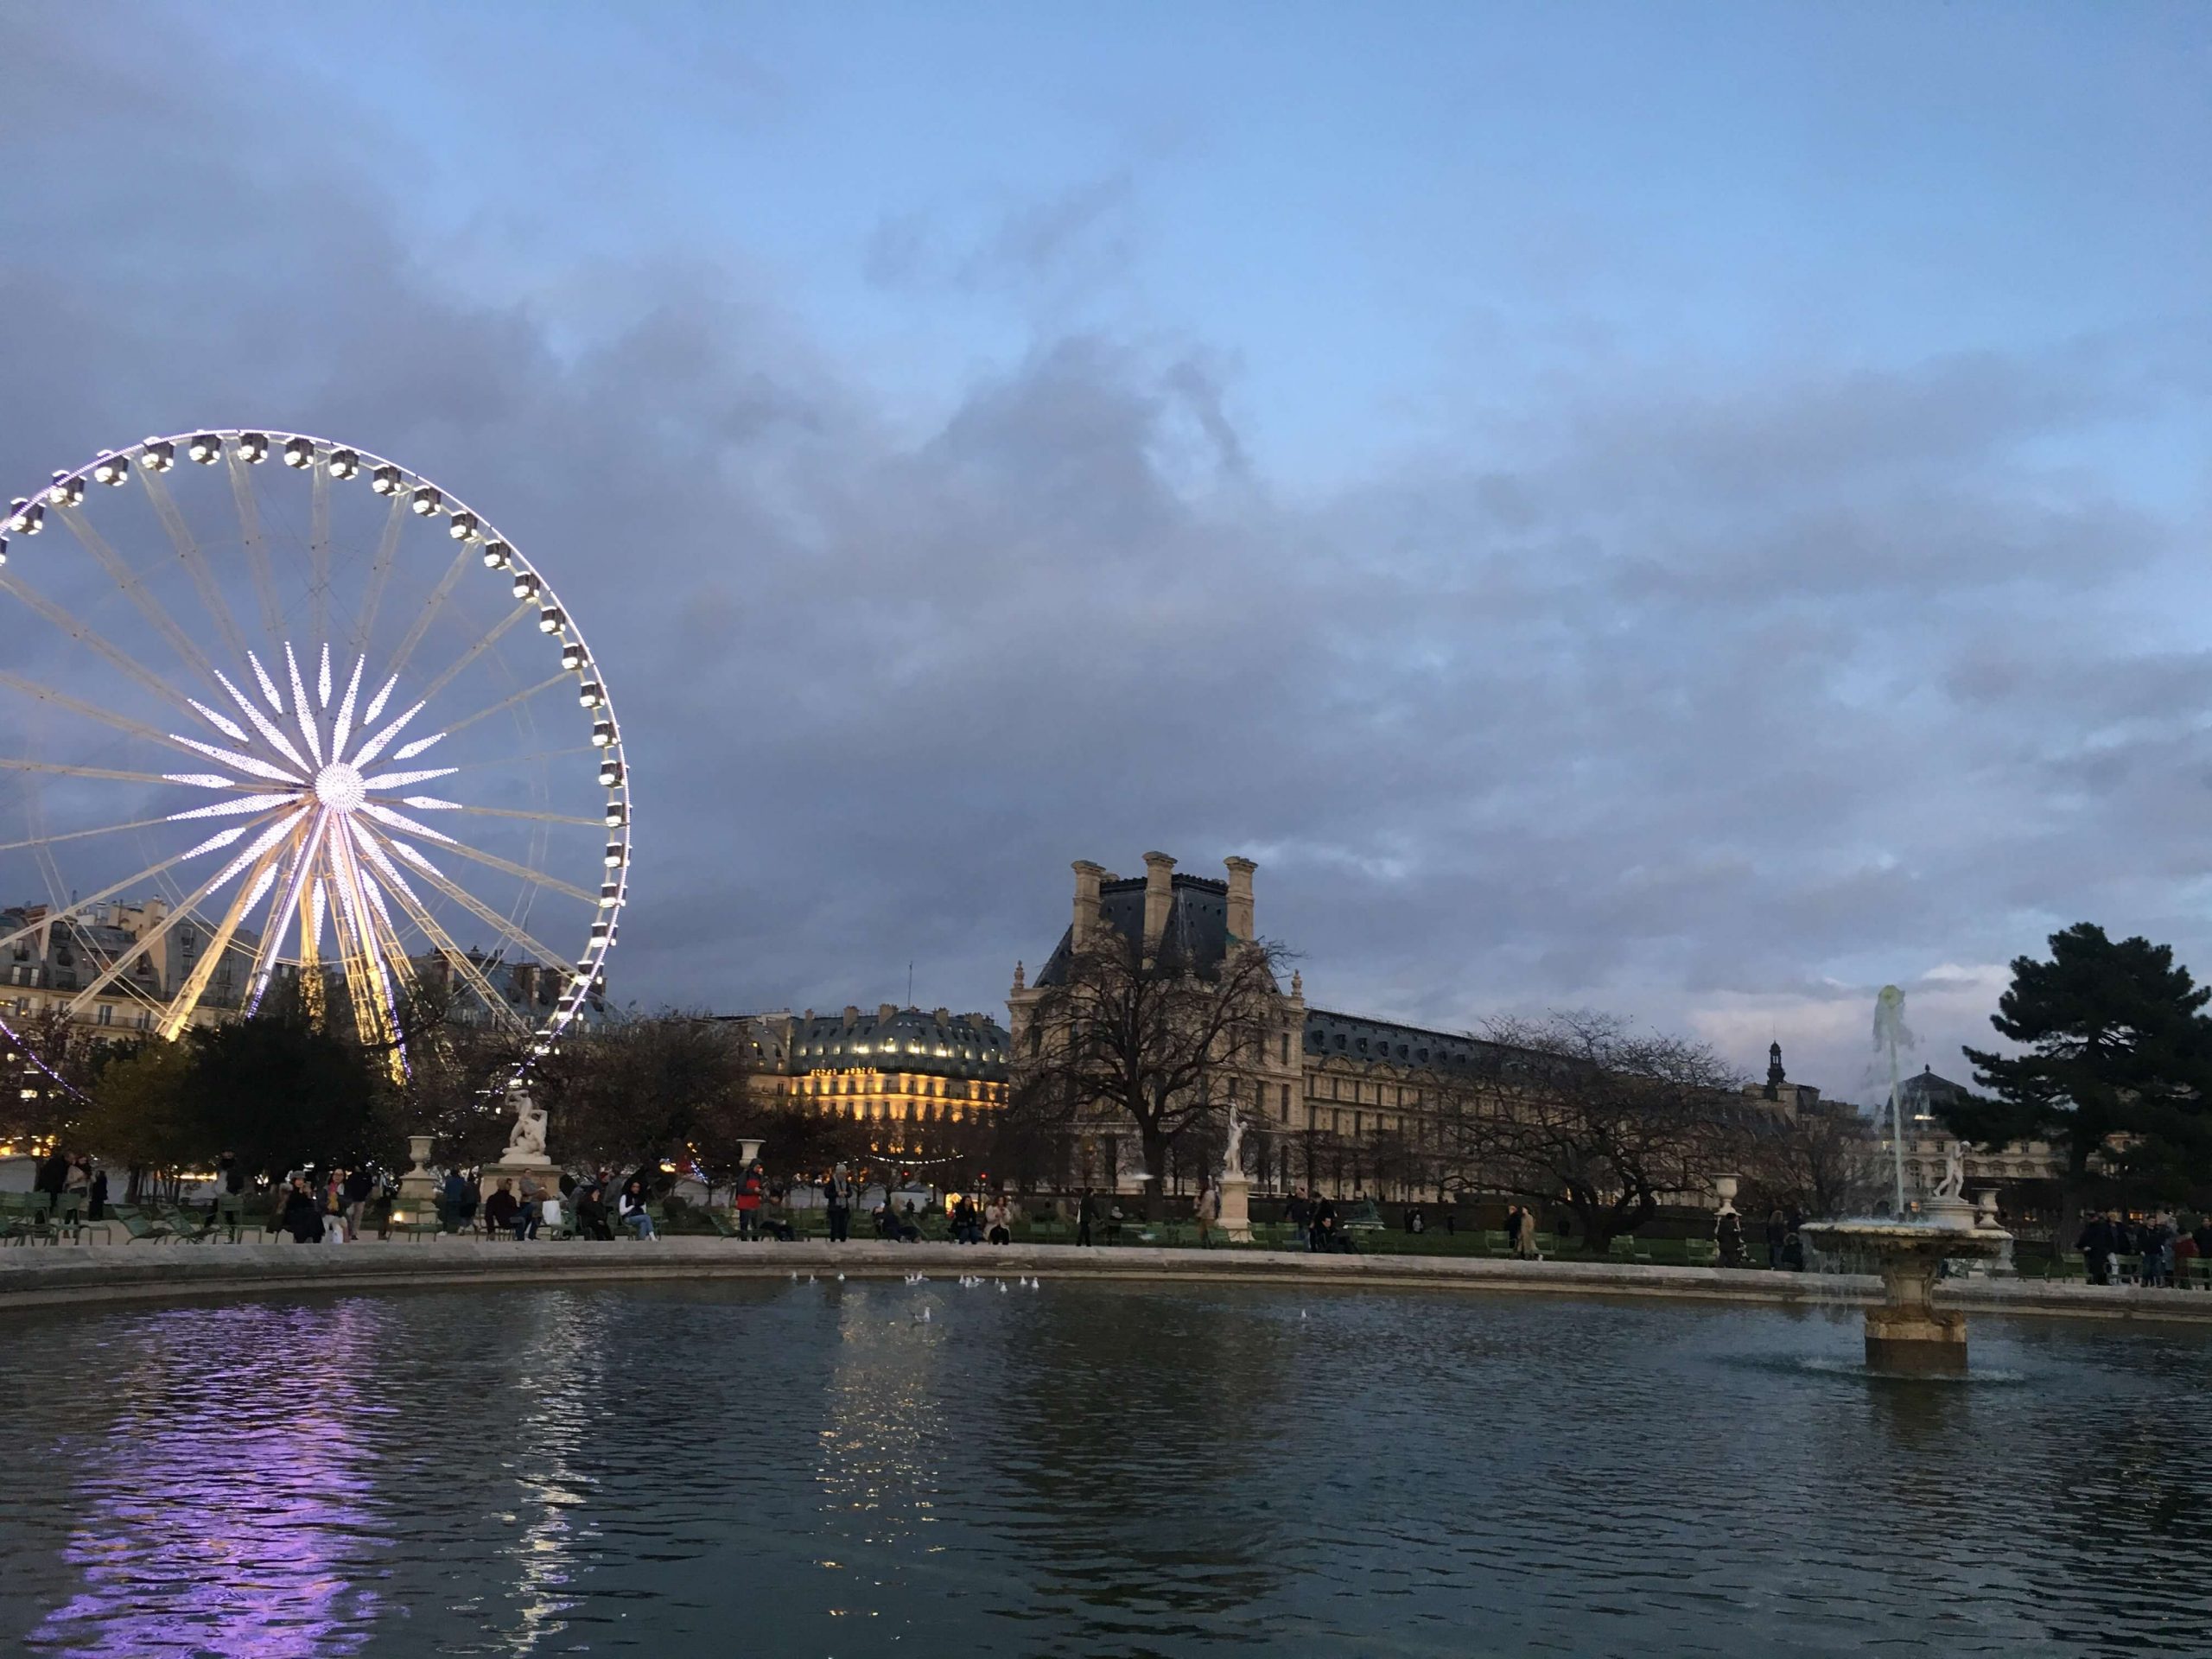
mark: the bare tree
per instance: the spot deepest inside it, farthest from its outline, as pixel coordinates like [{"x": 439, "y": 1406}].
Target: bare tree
[
  {"x": 1822, "y": 1158},
  {"x": 1580, "y": 1109},
  {"x": 1125, "y": 1037},
  {"x": 644, "y": 1088}
]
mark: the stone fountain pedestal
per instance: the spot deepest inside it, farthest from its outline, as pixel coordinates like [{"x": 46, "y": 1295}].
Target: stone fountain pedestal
[
  {"x": 1236, "y": 1218},
  {"x": 1906, "y": 1333}
]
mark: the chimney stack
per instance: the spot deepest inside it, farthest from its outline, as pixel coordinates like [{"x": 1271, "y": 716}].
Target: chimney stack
[
  {"x": 1087, "y": 875},
  {"x": 1240, "y": 898},
  {"x": 1159, "y": 897}
]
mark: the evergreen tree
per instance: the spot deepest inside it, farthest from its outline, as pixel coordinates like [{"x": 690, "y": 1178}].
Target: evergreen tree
[{"x": 2118, "y": 1070}]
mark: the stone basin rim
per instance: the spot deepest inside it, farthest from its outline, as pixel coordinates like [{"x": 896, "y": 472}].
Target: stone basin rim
[{"x": 62, "y": 1275}]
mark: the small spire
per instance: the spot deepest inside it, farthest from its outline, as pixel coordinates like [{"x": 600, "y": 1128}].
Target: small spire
[
  {"x": 1775, "y": 1074},
  {"x": 1019, "y": 979}
]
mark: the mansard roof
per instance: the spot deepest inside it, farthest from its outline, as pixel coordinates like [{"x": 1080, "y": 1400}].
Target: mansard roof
[
  {"x": 1330, "y": 1035},
  {"x": 1196, "y": 937}
]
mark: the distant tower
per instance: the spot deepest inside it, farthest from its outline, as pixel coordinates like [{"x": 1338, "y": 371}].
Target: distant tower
[{"x": 1774, "y": 1078}]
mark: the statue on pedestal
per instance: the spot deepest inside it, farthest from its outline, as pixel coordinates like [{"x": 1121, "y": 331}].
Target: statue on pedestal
[
  {"x": 526, "y": 1141},
  {"x": 1232, "y": 1153}
]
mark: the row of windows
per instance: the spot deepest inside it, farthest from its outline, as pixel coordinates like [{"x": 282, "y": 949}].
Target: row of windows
[
  {"x": 896, "y": 1083},
  {"x": 103, "y": 1013},
  {"x": 898, "y": 1111}
]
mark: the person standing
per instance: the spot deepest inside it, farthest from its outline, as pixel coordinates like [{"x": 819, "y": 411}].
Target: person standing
[
  {"x": 359, "y": 1184},
  {"x": 1777, "y": 1234},
  {"x": 2095, "y": 1244},
  {"x": 750, "y": 1186},
  {"x": 1086, "y": 1211},
  {"x": 76, "y": 1187},
  {"x": 1209, "y": 1208},
  {"x": 1524, "y": 1242},
  {"x": 838, "y": 1191},
  {"x": 98, "y": 1206},
  {"x": 1513, "y": 1229},
  {"x": 331, "y": 1206},
  {"x": 459, "y": 1203}
]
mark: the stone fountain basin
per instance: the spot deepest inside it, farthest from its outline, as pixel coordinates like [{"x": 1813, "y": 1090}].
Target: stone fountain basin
[{"x": 1907, "y": 1238}]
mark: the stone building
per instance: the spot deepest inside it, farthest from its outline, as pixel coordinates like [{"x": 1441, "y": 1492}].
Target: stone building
[
  {"x": 2025, "y": 1173},
  {"x": 1337, "y": 1102},
  {"x": 61, "y": 953},
  {"x": 904, "y": 1072}
]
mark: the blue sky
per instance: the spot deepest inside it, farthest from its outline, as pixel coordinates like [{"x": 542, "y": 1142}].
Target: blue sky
[{"x": 1691, "y": 509}]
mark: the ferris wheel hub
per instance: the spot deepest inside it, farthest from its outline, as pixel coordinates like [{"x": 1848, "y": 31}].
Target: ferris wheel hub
[{"x": 340, "y": 787}]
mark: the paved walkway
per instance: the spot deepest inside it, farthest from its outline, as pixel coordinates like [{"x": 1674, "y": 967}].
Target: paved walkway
[{"x": 33, "y": 1276}]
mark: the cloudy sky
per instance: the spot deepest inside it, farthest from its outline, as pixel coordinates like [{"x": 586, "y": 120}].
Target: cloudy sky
[{"x": 1697, "y": 511}]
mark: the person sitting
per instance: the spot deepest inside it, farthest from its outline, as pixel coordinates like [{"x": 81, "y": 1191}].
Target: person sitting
[
  {"x": 634, "y": 1213},
  {"x": 966, "y": 1229},
  {"x": 532, "y": 1209},
  {"x": 591, "y": 1211},
  {"x": 998, "y": 1221},
  {"x": 891, "y": 1225},
  {"x": 501, "y": 1209},
  {"x": 302, "y": 1217}
]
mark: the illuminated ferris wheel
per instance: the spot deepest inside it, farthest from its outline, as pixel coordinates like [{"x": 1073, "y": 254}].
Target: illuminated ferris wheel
[{"x": 274, "y": 707}]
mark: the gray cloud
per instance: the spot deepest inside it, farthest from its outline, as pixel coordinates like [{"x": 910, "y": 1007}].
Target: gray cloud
[{"x": 1712, "y": 700}]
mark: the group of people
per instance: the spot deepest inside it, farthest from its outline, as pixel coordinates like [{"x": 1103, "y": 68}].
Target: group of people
[
  {"x": 2159, "y": 1251},
  {"x": 330, "y": 1212},
  {"x": 74, "y": 1185},
  {"x": 1316, "y": 1216}
]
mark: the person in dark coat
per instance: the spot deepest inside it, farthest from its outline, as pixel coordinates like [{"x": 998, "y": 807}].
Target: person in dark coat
[
  {"x": 500, "y": 1210},
  {"x": 99, "y": 1204},
  {"x": 2095, "y": 1244},
  {"x": 1777, "y": 1234},
  {"x": 53, "y": 1176},
  {"x": 1298, "y": 1212},
  {"x": 1728, "y": 1233},
  {"x": 1325, "y": 1236},
  {"x": 459, "y": 1203},
  {"x": 591, "y": 1212},
  {"x": 301, "y": 1216}
]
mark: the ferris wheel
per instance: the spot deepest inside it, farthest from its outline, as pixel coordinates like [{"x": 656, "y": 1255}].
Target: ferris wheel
[{"x": 316, "y": 720}]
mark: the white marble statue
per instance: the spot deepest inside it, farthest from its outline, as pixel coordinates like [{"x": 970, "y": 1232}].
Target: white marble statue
[
  {"x": 526, "y": 1141},
  {"x": 1232, "y": 1153},
  {"x": 1954, "y": 1174}
]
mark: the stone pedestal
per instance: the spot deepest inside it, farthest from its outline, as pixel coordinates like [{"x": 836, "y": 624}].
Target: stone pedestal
[
  {"x": 1236, "y": 1218},
  {"x": 1907, "y": 1333},
  {"x": 418, "y": 1187}
]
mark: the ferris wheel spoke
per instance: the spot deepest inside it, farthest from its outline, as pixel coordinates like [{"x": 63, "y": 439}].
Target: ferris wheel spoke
[
  {"x": 285, "y": 905},
  {"x": 456, "y": 958},
  {"x": 493, "y": 861},
  {"x": 484, "y": 914},
  {"x": 177, "y": 1012},
  {"x": 475, "y": 650},
  {"x": 536, "y": 758},
  {"x": 257, "y": 549},
  {"x": 523, "y": 696},
  {"x": 195, "y": 562},
  {"x": 153, "y": 936},
  {"x": 18, "y": 763},
  {"x": 319, "y": 547},
  {"x": 430, "y": 609},
  {"x": 39, "y": 693},
  {"x": 81, "y": 835},
  {"x": 375, "y": 1017},
  {"x": 116, "y": 657},
  {"x": 513, "y": 812},
  {"x": 136, "y": 591},
  {"x": 380, "y": 571}
]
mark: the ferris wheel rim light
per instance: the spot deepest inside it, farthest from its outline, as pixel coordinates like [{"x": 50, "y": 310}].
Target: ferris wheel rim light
[{"x": 325, "y": 787}]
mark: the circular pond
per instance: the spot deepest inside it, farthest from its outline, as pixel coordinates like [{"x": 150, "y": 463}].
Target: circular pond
[{"x": 815, "y": 1469}]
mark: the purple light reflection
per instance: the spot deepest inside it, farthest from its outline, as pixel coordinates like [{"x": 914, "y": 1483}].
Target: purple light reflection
[{"x": 229, "y": 1511}]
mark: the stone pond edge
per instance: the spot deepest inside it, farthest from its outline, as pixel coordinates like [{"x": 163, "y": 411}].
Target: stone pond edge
[{"x": 52, "y": 1275}]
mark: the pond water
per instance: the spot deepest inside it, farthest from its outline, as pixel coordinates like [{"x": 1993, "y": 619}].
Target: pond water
[{"x": 812, "y": 1469}]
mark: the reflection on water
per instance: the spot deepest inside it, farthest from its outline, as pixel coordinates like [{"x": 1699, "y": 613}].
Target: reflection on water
[
  {"x": 811, "y": 1469},
  {"x": 227, "y": 1503}
]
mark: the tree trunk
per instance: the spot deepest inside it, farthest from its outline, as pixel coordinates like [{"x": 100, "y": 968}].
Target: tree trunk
[{"x": 1156, "y": 1164}]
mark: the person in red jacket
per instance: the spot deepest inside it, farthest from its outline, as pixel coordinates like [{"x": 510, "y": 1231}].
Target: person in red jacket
[{"x": 749, "y": 1187}]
